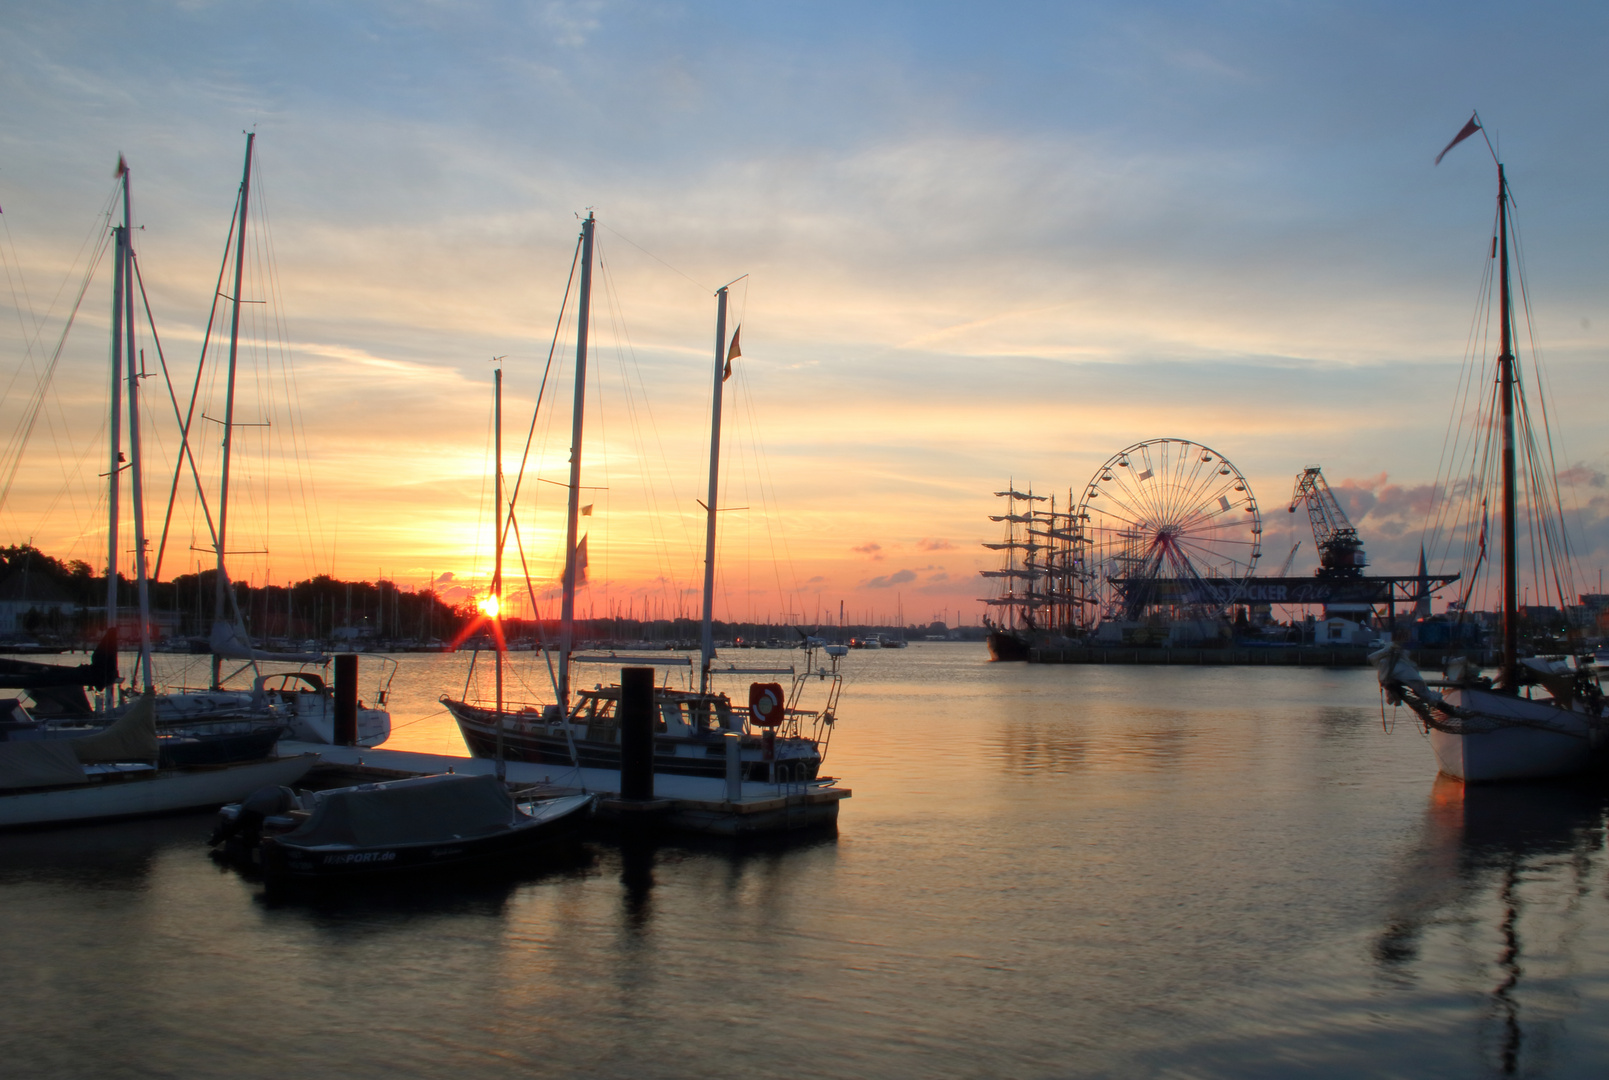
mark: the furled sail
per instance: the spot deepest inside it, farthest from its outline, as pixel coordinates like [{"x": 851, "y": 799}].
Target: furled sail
[{"x": 228, "y": 642}]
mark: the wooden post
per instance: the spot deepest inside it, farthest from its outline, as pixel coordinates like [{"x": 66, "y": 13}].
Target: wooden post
[
  {"x": 346, "y": 699},
  {"x": 637, "y": 733}
]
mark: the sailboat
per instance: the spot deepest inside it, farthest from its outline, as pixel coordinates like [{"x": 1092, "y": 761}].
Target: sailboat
[
  {"x": 779, "y": 740},
  {"x": 120, "y": 771},
  {"x": 1011, "y": 636},
  {"x": 301, "y": 701},
  {"x": 1537, "y": 718}
]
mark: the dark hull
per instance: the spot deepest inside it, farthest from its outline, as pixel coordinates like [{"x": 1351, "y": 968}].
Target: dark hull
[
  {"x": 218, "y": 749},
  {"x": 481, "y": 738},
  {"x": 1007, "y": 645},
  {"x": 286, "y": 861}
]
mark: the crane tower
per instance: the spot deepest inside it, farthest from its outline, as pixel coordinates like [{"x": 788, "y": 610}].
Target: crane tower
[{"x": 1340, "y": 551}]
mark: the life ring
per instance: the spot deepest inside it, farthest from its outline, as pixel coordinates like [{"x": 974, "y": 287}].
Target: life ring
[{"x": 765, "y": 704}]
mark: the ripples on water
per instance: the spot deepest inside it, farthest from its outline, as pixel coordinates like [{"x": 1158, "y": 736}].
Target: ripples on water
[{"x": 1043, "y": 872}]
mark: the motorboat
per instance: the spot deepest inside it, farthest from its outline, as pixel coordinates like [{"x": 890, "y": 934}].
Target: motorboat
[{"x": 420, "y": 824}]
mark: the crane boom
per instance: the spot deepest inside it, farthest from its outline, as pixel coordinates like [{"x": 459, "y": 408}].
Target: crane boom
[{"x": 1340, "y": 550}]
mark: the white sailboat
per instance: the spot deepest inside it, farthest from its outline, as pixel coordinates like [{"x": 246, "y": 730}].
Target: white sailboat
[
  {"x": 1538, "y": 718},
  {"x": 779, "y": 739},
  {"x": 300, "y": 700},
  {"x": 116, "y": 772}
]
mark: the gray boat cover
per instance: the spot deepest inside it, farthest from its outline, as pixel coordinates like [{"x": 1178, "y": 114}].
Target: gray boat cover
[
  {"x": 422, "y": 810},
  {"x": 131, "y": 737},
  {"x": 51, "y": 762}
]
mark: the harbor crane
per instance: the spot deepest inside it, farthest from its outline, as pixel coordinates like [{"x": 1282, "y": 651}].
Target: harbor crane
[{"x": 1340, "y": 551}]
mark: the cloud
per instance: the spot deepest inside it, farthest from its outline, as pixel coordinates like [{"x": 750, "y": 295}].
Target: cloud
[
  {"x": 898, "y": 577},
  {"x": 870, "y": 549},
  {"x": 934, "y": 579},
  {"x": 925, "y": 544}
]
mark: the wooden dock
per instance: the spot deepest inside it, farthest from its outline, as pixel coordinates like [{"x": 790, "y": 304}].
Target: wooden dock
[{"x": 680, "y": 803}]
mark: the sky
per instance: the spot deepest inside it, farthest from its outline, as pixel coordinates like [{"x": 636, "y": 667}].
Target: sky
[{"x": 983, "y": 244}]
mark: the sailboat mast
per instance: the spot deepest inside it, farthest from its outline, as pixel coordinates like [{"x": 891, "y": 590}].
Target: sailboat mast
[
  {"x": 136, "y": 488},
  {"x": 221, "y": 583},
  {"x": 1505, "y": 368},
  {"x": 497, "y": 566},
  {"x": 707, "y": 649},
  {"x": 114, "y": 471},
  {"x": 567, "y": 608}
]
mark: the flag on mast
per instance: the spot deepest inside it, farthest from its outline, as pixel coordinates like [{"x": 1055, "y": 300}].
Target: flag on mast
[
  {"x": 732, "y": 352},
  {"x": 581, "y": 562},
  {"x": 1465, "y": 132}
]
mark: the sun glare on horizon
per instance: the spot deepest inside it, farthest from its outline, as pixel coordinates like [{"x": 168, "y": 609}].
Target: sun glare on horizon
[{"x": 489, "y": 606}]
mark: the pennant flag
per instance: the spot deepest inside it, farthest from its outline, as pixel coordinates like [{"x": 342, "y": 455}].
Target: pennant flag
[
  {"x": 1481, "y": 543},
  {"x": 586, "y": 511},
  {"x": 732, "y": 352},
  {"x": 1464, "y": 133},
  {"x": 581, "y": 562},
  {"x": 122, "y": 167}
]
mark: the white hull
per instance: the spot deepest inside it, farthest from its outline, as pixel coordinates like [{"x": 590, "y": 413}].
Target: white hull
[
  {"x": 312, "y": 719},
  {"x": 1560, "y": 746},
  {"x": 163, "y": 793}
]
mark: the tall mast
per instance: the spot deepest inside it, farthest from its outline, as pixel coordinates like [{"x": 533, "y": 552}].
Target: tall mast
[
  {"x": 567, "y": 610},
  {"x": 221, "y": 583},
  {"x": 1505, "y": 369},
  {"x": 136, "y": 489},
  {"x": 114, "y": 469},
  {"x": 707, "y": 650},
  {"x": 497, "y": 566}
]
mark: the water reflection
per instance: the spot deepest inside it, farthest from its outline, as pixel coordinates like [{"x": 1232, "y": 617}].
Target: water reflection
[{"x": 1489, "y": 901}]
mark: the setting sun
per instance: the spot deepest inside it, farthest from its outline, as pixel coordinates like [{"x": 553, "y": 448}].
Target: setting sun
[{"x": 489, "y": 606}]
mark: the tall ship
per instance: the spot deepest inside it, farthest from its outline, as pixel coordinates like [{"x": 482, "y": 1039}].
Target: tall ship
[{"x": 1038, "y": 597}]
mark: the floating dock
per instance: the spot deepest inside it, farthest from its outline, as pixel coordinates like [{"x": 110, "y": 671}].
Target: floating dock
[{"x": 680, "y": 803}]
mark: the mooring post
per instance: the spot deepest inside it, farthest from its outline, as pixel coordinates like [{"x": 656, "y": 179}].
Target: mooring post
[
  {"x": 637, "y": 733},
  {"x": 346, "y": 700}
]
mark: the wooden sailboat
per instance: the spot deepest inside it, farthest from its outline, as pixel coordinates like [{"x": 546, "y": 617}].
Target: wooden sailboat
[
  {"x": 1537, "y": 718},
  {"x": 779, "y": 740}
]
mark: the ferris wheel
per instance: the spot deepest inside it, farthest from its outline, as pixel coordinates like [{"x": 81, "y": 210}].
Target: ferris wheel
[{"x": 1169, "y": 527}]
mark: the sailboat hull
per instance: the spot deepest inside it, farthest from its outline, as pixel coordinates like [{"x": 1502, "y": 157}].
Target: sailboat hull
[
  {"x": 166, "y": 792},
  {"x": 672, "y": 756},
  {"x": 1541, "y": 740}
]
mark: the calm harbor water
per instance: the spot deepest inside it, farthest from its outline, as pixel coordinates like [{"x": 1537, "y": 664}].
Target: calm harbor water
[{"x": 1043, "y": 872}]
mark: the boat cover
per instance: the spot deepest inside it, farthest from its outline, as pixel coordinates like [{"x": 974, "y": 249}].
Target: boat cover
[
  {"x": 132, "y": 737},
  {"x": 422, "y": 810},
  {"x": 39, "y": 763}
]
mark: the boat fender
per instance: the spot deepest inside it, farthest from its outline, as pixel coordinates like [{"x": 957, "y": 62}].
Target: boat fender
[{"x": 768, "y": 745}]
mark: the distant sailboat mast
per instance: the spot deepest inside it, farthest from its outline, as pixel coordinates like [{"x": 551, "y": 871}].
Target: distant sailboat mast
[{"x": 222, "y": 583}]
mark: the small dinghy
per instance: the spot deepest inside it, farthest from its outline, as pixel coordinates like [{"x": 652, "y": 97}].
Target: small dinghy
[{"x": 413, "y": 825}]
